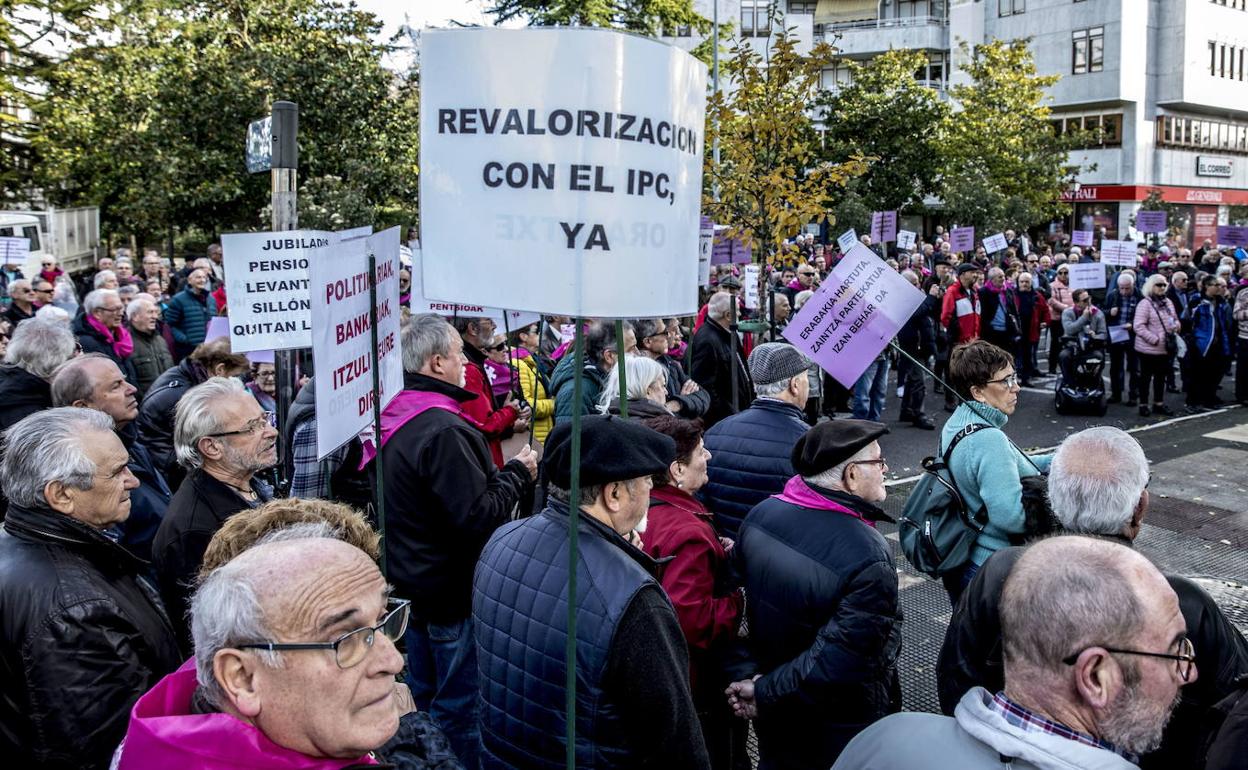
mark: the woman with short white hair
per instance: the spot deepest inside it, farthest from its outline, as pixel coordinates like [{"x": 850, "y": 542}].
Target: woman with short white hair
[{"x": 647, "y": 389}]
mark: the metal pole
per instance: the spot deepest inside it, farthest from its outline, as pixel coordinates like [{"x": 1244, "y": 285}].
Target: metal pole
[
  {"x": 619, "y": 365},
  {"x": 715, "y": 81},
  {"x": 284, "y": 177},
  {"x": 379, "y": 476},
  {"x": 732, "y": 340},
  {"x": 574, "y": 520}
]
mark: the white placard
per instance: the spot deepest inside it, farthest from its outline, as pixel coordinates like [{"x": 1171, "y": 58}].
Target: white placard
[
  {"x": 706, "y": 240},
  {"x": 569, "y": 152},
  {"x": 1119, "y": 333},
  {"x": 504, "y": 320},
  {"x": 1119, "y": 253},
  {"x": 354, "y": 232},
  {"x": 266, "y": 278},
  {"x": 1026, "y": 244},
  {"x": 846, "y": 240},
  {"x": 342, "y": 336},
  {"x": 1087, "y": 275},
  {"x": 995, "y": 243},
  {"x": 750, "y": 278},
  {"x": 905, "y": 239},
  {"x": 14, "y": 251}
]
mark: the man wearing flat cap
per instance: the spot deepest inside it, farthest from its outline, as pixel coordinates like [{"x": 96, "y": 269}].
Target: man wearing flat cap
[
  {"x": 821, "y": 588},
  {"x": 634, "y": 707}
]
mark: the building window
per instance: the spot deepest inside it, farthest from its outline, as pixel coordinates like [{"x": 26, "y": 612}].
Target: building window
[
  {"x": 803, "y": 6},
  {"x": 935, "y": 72},
  {"x": 1087, "y": 50},
  {"x": 1201, "y": 134},
  {"x": 684, "y": 30},
  {"x": 1011, "y": 7},
  {"x": 1227, "y": 61},
  {"x": 1104, "y": 130},
  {"x": 755, "y": 18},
  {"x": 1239, "y": 5}
]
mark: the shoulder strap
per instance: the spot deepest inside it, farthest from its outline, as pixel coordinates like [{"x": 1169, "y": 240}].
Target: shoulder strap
[{"x": 974, "y": 427}]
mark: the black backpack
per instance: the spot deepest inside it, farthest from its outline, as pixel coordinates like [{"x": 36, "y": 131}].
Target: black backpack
[{"x": 935, "y": 529}]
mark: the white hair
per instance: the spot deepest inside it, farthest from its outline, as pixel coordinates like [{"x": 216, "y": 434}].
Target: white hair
[
  {"x": 1152, "y": 281},
  {"x": 800, "y": 298},
  {"x": 138, "y": 305},
  {"x": 53, "y": 313},
  {"x": 773, "y": 389},
  {"x": 95, "y": 300},
  {"x": 834, "y": 477},
  {"x": 1096, "y": 479},
  {"x": 718, "y": 306},
  {"x": 102, "y": 278},
  {"x": 40, "y": 345},
  {"x": 640, "y": 371},
  {"x": 198, "y": 415},
  {"x": 47, "y": 447},
  {"x": 424, "y": 336},
  {"x": 1128, "y": 276}
]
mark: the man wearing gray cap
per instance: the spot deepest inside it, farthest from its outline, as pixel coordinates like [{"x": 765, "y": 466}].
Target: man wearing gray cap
[
  {"x": 821, "y": 588},
  {"x": 750, "y": 450}
]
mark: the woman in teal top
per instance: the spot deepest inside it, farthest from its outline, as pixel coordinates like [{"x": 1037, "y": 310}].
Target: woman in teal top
[{"x": 987, "y": 468}]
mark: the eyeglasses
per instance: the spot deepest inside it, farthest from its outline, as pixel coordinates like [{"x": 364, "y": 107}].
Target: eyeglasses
[
  {"x": 880, "y": 462},
  {"x": 1009, "y": 382},
  {"x": 253, "y": 426},
  {"x": 1183, "y": 661},
  {"x": 353, "y": 646}
]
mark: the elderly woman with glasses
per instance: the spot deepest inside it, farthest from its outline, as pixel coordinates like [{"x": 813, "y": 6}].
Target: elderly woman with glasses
[
  {"x": 986, "y": 466},
  {"x": 1156, "y": 325}
]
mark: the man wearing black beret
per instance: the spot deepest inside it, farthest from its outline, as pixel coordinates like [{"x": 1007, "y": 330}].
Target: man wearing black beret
[
  {"x": 634, "y": 707},
  {"x": 821, "y": 588}
]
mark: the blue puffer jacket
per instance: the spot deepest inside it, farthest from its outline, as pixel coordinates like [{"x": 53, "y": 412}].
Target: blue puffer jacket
[
  {"x": 750, "y": 461},
  {"x": 1208, "y": 319},
  {"x": 188, "y": 317}
]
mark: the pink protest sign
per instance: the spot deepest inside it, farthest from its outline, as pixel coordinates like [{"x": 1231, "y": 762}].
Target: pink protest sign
[
  {"x": 1231, "y": 235},
  {"x": 883, "y": 226},
  {"x": 860, "y": 306},
  {"x": 1151, "y": 221},
  {"x": 962, "y": 238},
  {"x": 1081, "y": 238}
]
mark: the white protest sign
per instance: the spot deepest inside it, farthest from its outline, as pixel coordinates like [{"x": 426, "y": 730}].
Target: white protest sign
[
  {"x": 750, "y": 279},
  {"x": 503, "y": 319},
  {"x": 1087, "y": 275},
  {"x": 995, "y": 243},
  {"x": 1119, "y": 253},
  {"x": 342, "y": 336},
  {"x": 1119, "y": 333},
  {"x": 846, "y": 240},
  {"x": 905, "y": 239},
  {"x": 354, "y": 232},
  {"x": 14, "y": 251},
  {"x": 573, "y": 153},
  {"x": 1026, "y": 243},
  {"x": 811, "y": 229},
  {"x": 266, "y": 286},
  {"x": 706, "y": 240}
]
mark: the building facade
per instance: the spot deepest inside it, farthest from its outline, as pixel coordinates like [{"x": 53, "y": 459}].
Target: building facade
[{"x": 1164, "y": 81}]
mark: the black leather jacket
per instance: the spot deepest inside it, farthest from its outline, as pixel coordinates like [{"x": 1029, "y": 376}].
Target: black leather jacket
[{"x": 83, "y": 636}]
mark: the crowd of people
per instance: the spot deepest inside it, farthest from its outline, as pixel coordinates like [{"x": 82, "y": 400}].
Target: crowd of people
[{"x": 176, "y": 591}]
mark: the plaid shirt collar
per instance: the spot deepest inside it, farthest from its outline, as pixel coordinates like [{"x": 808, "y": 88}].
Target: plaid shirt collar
[{"x": 1031, "y": 722}]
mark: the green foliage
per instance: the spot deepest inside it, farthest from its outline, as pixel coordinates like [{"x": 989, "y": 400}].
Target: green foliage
[
  {"x": 152, "y": 128},
  {"x": 1001, "y": 163},
  {"x": 770, "y": 179},
  {"x": 888, "y": 116},
  {"x": 648, "y": 17}
]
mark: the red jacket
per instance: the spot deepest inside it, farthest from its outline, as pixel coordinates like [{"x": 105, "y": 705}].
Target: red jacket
[
  {"x": 1040, "y": 317},
  {"x": 495, "y": 423},
  {"x": 679, "y": 527},
  {"x": 962, "y": 321}
]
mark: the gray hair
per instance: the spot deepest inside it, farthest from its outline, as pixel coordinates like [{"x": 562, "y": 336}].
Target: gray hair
[
  {"x": 1126, "y": 276},
  {"x": 95, "y": 300},
  {"x": 773, "y": 389},
  {"x": 72, "y": 383},
  {"x": 718, "y": 307},
  {"x": 640, "y": 371},
  {"x": 138, "y": 305},
  {"x": 1096, "y": 479},
  {"x": 1152, "y": 281},
  {"x": 20, "y": 283},
  {"x": 47, "y": 447},
  {"x": 197, "y": 416},
  {"x": 129, "y": 290},
  {"x": 225, "y": 612},
  {"x": 800, "y": 298},
  {"x": 424, "y": 336},
  {"x": 834, "y": 477},
  {"x": 102, "y": 278},
  {"x": 53, "y": 313},
  {"x": 40, "y": 345}
]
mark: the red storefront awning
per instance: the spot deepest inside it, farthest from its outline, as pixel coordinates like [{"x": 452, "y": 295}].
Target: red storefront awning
[{"x": 1169, "y": 194}]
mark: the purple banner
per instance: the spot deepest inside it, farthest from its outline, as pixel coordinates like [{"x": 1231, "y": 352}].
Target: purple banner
[
  {"x": 1232, "y": 235},
  {"x": 1151, "y": 221},
  {"x": 729, "y": 251},
  {"x": 962, "y": 238},
  {"x": 883, "y": 226},
  {"x": 1081, "y": 238},
  {"x": 858, "y": 309}
]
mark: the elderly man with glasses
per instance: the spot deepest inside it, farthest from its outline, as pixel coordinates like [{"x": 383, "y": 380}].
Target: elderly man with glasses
[
  {"x": 83, "y": 634},
  {"x": 223, "y": 437},
  {"x": 99, "y": 329}
]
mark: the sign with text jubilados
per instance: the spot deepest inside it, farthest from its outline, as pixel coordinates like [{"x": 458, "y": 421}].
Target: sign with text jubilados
[
  {"x": 859, "y": 307},
  {"x": 266, "y": 286},
  {"x": 342, "y": 336},
  {"x": 561, "y": 171}
]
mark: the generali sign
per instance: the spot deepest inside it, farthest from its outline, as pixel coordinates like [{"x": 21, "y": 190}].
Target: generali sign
[
  {"x": 1210, "y": 165},
  {"x": 1169, "y": 194}
]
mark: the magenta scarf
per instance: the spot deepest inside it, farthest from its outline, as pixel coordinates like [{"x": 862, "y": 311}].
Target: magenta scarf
[
  {"x": 51, "y": 275},
  {"x": 798, "y": 492},
  {"x": 404, "y": 407},
  {"x": 123, "y": 346}
]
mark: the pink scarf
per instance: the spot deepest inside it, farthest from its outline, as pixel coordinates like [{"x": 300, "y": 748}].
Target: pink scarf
[
  {"x": 119, "y": 338},
  {"x": 404, "y": 407},
  {"x": 798, "y": 492}
]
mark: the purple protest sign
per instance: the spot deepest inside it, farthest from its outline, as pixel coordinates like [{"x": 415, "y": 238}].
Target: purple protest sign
[
  {"x": 1081, "y": 238},
  {"x": 860, "y": 306},
  {"x": 883, "y": 226},
  {"x": 1232, "y": 235},
  {"x": 729, "y": 251},
  {"x": 1151, "y": 221},
  {"x": 962, "y": 238}
]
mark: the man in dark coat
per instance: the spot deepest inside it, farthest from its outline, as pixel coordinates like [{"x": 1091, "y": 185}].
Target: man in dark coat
[
  {"x": 35, "y": 350},
  {"x": 601, "y": 353},
  {"x": 223, "y": 436},
  {"x": 718, "y": 364},
  {"x": 750, "y": 451},
  {"x": 99, "y": 329},
  {"x": 918, "y": 339},
  {"x": 152, "y": 356},
  {"x": 21, "y": 305},
  {"x": 635, "y": 709},
  {"x": 82, "y": 633},
  {"x": 685, "y": 398},
  {"x": 444, "y": 498},
  {"x": 1090, "y": 468},
  {"x": 821, "y": 588}
]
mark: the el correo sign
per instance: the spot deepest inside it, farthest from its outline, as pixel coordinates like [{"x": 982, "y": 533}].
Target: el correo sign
[{"x": 1210, "y": 165}]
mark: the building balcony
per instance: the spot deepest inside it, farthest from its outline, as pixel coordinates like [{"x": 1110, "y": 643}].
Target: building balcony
[{"x": 873, "y": 36}]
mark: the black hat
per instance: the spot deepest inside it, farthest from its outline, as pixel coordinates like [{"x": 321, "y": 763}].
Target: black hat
[
  {"x": 967, "y": 267},
  {"x": 940, "y": 261},
  {"x": 831, "y": 443},
  {"x": 612, "y": 449},
  {"x": 730, "y": 282}
]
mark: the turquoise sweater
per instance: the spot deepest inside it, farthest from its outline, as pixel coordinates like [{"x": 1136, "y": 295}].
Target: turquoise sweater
[{"x": 988, "y": 471}]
